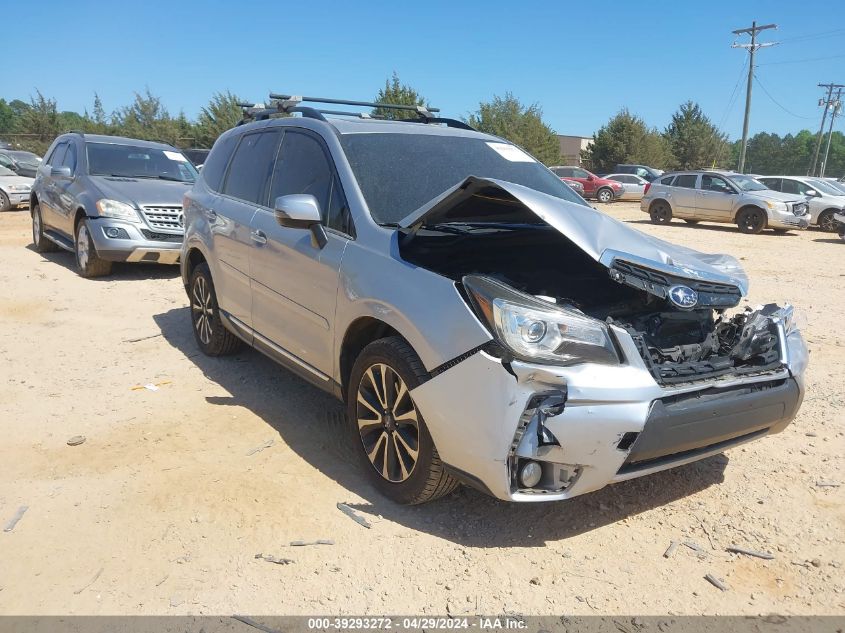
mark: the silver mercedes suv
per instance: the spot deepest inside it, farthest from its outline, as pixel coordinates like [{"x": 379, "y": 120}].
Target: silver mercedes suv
[
  {"x": 481, "y": 322},
  {"x": 717, "y": 196}
]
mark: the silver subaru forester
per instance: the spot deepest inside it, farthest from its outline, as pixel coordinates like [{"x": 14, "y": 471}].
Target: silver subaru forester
[{"x": 482, "y": 323}]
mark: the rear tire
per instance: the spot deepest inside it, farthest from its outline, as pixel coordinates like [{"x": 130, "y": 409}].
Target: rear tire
[
  {"x": 88, "y": 262},
  {"x": 827, "y": 222},
  {"x": 660, "y": 212},
  {"x": 604, "y": 196},
  {"x": 41, "y": 243},
  {"x": 211, "y": 335},
  {"x": 751, "y": 221},
  {"x": 390, "y": 437}
]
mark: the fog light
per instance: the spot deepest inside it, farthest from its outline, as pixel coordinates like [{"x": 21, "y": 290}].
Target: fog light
[
  {"x": 530, "y": 474},
  {"x": 112, "y": 232}
]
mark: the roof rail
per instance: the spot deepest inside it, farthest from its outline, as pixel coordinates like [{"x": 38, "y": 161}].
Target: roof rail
[{"x": 287, "y": 104}]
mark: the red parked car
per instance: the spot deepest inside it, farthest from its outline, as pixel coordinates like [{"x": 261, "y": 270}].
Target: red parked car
[{"x": 601, "y": 189}]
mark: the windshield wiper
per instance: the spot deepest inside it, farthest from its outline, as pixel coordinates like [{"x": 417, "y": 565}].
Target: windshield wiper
[{"x": 160, "y": 177}]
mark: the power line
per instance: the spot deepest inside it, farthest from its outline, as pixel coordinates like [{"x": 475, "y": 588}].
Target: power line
[
  {"x": 803, "y": 61},
  {"x": 826, "y": 102},
  {"x": 776, "y": 102},
  {"x": 752, "y": 48},
  {"x": 813, "y": 36}
]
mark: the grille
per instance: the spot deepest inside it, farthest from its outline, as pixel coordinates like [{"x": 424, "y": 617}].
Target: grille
[
  {"x": 658, "y": 283},
  {"x": 161, "y": 237},
  {"x": 165, "y": 218},
  {"x": 799, "y": 208}
]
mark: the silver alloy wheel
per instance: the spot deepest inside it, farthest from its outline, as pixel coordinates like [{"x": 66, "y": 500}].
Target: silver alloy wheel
[
  {"x": 605, "y": 196},
  {"x": 82, "y": 246},
  {"x": 201, "y": 309},
  {"x": 388, "y": 423},
  {"x": 36, "y": 226},
  {"x": 828, "y": 223}
]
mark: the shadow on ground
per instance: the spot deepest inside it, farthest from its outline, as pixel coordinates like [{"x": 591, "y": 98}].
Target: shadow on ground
[
  {"x": 724, "y": 228},
  {"x": 311, "y": 423},
  {"x": 120, "y": 271}
]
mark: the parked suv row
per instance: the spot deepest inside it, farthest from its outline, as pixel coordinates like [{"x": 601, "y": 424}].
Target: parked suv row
[
  {"x": 110, "y": 199},
  {"x": 727, "y": 197},
  {"x": 481, "y": 321}
]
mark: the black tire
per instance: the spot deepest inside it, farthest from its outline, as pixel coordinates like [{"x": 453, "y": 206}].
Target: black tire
[
  {"x": 5, "y": 205},
  {"x": 604, "y": 195},
  {"x": 88, "y": 262},
  {"x": 427, "y": 479},
  {"x": 691, "y": 221},
  {"x": 41, "y": 243},
  {"x": 211, "y": 335},
  {"x": 751, "y": 220},
  {"x": 827, "y": 222},
  {"x": 660, "y": 212}
]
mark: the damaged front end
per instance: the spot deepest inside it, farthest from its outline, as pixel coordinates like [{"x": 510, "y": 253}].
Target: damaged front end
[{"x": 607, "y": 362}]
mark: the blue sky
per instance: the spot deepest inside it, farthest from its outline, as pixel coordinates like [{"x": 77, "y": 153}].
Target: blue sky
[{"x": 581, "y": 62}]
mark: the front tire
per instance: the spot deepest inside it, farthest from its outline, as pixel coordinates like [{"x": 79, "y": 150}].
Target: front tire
[
  {"x": 41, "y": 243},
  {"x": 827, "y": 222},
  {"x": 211, "y": 335},
  {"x": 605, "y": 196},
  {"x": 751, "y": 221},
  {"x": 5, "y": 204},
  {"x": 390, "y": 436},
  {"x": 660, "y": 212},
  {"x": 88, "y": 262}
]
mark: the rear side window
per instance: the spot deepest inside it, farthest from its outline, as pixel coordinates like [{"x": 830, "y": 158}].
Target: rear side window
[
  {"x": 686, "y": 180},
  {"x": 214, "y": 167},
  {"x": 252, "y": 165},
  {"x": 667, "y": 180}
]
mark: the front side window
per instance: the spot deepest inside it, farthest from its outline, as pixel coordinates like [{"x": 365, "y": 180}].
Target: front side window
[
  {"x": 667, "y": 180},
  {"x": 252, "y": 167},
  {"x": 580, "y": 173},
  {"x": 747, "y": 183},
  {"x": 686, "y": 180},
  {"x": 70, "y": 158},
  {"x": 771, "y": 183},
  {"x": 135, "y": 161},
  {"x": 714, "y": 183},
  {"x": 303, "y": 168}
]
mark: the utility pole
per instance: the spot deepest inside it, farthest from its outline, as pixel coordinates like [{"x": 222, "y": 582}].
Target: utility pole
[
  {"x": 752, "y": 48},
  {"x": 837, "y": 104},
  {"x": 826, "y": 103}
]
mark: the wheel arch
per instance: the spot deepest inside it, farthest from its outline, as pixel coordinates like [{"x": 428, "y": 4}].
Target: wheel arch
[
  {"x": 193, "y": 258},
  {"x": 360, "y": 333},
  {"x": 748, "y": 207},
  {"x": 78, "y": 215},
  {"x": 656, "y": 200}
]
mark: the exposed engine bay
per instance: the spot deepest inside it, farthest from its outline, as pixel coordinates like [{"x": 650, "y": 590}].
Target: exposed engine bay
[{"x": 677, "y": 344}]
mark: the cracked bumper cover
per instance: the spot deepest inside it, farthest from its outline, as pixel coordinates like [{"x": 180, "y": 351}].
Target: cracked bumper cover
[{"x": 474, "y": 408}]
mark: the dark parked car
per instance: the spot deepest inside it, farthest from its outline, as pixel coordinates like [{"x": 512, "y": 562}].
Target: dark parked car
[
  {"x": 196, "y": 156},
  {"x": 21, "y": 162},
  {"x": 110, "y": 199}
]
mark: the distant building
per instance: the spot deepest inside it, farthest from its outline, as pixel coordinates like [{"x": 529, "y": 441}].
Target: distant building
[{"x": 570, "y": 148}]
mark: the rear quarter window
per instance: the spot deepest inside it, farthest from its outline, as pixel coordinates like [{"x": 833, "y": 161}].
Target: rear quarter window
[{"x": 217, "y": 161}]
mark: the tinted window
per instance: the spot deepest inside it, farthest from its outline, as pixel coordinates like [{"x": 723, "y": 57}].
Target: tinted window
[
  {"x": 338, "y": 217},
  {"x": 5, "y": 160},
  {"x": 70, "y": 158},
  {"x": 563, "y": 171},
  {"x": 667, "y": 180},
  {"x": 215, "y": 165},
  {"x": 714, "y": 183},
  {"x": 686, "y": 180},
  {"x": 303, "y": 168},
  {"x": 252, "y": 166},
  {"x": 58, "y": 155},
  {"x": 790, "y": 186},
  {"x": 771, "y": 183}
]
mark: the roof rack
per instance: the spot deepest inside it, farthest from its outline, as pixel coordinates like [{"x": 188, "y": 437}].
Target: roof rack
[{"x": 287, "y": 104}]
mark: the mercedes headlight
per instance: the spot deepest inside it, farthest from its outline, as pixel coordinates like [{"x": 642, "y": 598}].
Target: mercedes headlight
[
  {"x": 114, "y": 209},
  {"x": 538, "y": 331}
]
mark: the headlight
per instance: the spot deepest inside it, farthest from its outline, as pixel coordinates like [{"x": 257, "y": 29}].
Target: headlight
[
  {"x": 19, "y": 188},
  {"x": 537, "y": 331},
  {"x": 777, "y": 206},
  {"x": 115, "y": 209}
]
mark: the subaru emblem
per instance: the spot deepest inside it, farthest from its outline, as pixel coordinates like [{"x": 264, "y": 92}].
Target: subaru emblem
[{"x": 683, "y": 296}]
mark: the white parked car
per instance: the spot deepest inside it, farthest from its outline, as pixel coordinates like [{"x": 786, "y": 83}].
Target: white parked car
[
  {"x": 633, "y": 185},
  {"x": 14, "y": 189},
  {"x": 824, "y": 199}
]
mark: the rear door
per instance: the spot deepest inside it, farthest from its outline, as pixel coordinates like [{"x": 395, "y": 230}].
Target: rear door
[
  {"x": 294, "y": 281},
  {"x": 716, "y": 198},
  {"x": 244, "y": 189},
  {"x": 684, "y": 195}
]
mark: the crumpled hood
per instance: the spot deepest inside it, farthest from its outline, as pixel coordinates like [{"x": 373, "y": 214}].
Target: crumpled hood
[
  {"x": 142, "y": 191},
  {"x": 603, "y": 238}
]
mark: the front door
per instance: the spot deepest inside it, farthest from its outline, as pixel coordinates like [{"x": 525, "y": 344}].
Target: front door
[
  {"x": 294, "y": 280},
  {"x": 716, "y": 198}
]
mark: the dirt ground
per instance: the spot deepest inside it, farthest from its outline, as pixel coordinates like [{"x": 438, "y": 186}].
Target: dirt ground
[{"x": 163, "y": 509}]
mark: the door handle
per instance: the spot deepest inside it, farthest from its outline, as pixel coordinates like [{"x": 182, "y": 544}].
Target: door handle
[{"x": 259, "y": 237}]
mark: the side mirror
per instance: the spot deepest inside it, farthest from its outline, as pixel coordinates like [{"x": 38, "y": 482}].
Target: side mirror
[
  {"x": 590, "y": 178},
  {"x": 811, "y": 193},
  {"x": 60, "y": 172},
  {"x": 301, "y": 211}
]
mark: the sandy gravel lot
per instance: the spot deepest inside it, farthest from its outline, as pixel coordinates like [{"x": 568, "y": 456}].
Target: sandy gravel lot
[{"x": 162, "y": 510}]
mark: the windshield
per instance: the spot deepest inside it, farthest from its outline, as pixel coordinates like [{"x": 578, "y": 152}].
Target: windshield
[
  {"x": 825, "y": 187},
  {"x": 130, "y": 161},
  {"x": 398, "y": 173},
  {"x": 26, "y": 157},
  {"x": 747, "y": 183}
]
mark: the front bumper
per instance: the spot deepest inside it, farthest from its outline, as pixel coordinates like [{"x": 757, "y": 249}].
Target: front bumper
[
  {"x": 787, "y": 220},
  {"x": 135, "y": 242},
  {"x": 19, "y": 199},
  {"x": 617, "y": 423}
]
